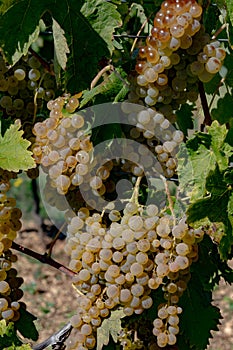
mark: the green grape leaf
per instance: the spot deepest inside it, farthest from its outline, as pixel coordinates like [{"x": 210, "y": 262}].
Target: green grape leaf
[
  {"x": 104, "y": 18},
  {"x": 211, "y": 18},
  {"x": 212, "y": 87},
  {"x": 210, "y": 275},
  {"x": 230, "y": 9},
  {"x": 8, "y": 335},
  {"x": 4, "y": 124},
  {"x": 193, "y": 169},
  {"x": 222, "y": 150},
  {"x": 223, "y": 111},
  {"x": 228, "y": 62},
  {"x": 25, "y": 325},
  {"x": 24, "y": 50},
  {"x": 199, "y": 316},
  {"x": 17, "y": 36},
  {"x": 60, "y": 44},
  {"x": 5, "y": 4},
  {"x": 216, "y": 206},
  {"x": 199, "y": 156},
  {"x": 110, "y": 326},
  {"x": 185, "y": 118},
  {"x": 85, "y": 44},
  {"x": 230, "y": 209},
  {"x": 14, "y": 155},
  {"x": 111, "y": 86}
]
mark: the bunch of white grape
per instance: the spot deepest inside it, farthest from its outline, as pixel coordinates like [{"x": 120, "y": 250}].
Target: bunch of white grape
[
  {"x": 21, "y": 84},
  {"x": 9, "y": 225},
  {"x": 62, "y": 146},
  {"x": 209, "y": 61},
  {"x": 168, "y": 72},
  {"x": 122, "y": 263},
  {"x": 162, "y": 139}
]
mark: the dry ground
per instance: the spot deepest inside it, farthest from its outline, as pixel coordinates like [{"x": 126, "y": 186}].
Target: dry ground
[{"x": 49, "y": 295}]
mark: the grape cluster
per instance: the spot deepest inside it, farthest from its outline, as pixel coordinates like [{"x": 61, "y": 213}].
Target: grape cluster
[
  {"x": 22, "y": 85},
  {"x": 209, "y": 61},
  {"x": 121, "y": 264},
  {"x": 10, "y": 223},
  {"x": 162, "y": 139},
  {"x": 62, "y": 146},
  {"x": 177, "y": 54}
]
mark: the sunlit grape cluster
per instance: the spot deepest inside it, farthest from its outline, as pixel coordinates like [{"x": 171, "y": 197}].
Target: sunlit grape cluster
[
  {"x": 122, "y": 263},
  {"x": 24, "y": 87},
  {"x": 162, "y": 139},
  {"x": 209, "y": 61},
  {"x": 177, "y": 54},
  {"x": 62, "y": 147},
  {"x": 10, "y": 223}
]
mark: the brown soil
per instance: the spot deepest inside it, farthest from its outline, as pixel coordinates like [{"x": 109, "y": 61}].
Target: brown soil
[{"x": 49, "y": 295}]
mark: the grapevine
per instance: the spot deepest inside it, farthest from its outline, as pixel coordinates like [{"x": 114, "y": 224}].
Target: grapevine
[{"x": 129, "y": 140}]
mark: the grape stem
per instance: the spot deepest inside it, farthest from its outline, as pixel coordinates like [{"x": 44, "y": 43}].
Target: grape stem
[
  {"x": 170, "y": 202},
  {"x": 135, "y": 195},
  {"x": 219, "y": 31},
  {"x": 43, "y": 258},
  {"x": 56, "y": 340},
  {"x": 139, "y": 32},
  {"x": 52, "y": 244},
  {"x": 99, "y": 75},
  {"x": 35, "y": 98},
  {"x": 207, "y": 119}
]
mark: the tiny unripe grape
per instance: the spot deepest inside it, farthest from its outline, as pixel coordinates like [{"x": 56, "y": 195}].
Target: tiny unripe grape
[
  {"x": 19, "y": 74},
  {"x": 125, "y": 295},
  {"x": 3, "y": 304},
  {"x": 86, "y": 329},
  {"x": 4, "y": 287},
  {"x": 182, "y": 249},
  {"x": 213, "y": 65},
  {"x": 7, "y": 314},
  {"x": 34, "y": 74}
]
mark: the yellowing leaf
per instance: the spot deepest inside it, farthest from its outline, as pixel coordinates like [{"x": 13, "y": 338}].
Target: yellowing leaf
[
  {"x": 14, "y": 155},
  {"x": 60, "y": 44},
  {"x": 110, "y": 326}
]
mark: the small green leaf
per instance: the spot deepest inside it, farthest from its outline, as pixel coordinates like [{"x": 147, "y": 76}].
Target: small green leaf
[
  {"x": 110, "y": 326},
  {"x": 25, "y": 325},
  {"x": 14, "y": 155},
  {"x": 22, "y": 51},
  {"x": 8, "y": 335},
  {"x": 104, "y": 18},
  {"x": 60, "y": 44},
  {"x": 111, "y": 86},
  {"x": 222, "y": 150}
]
